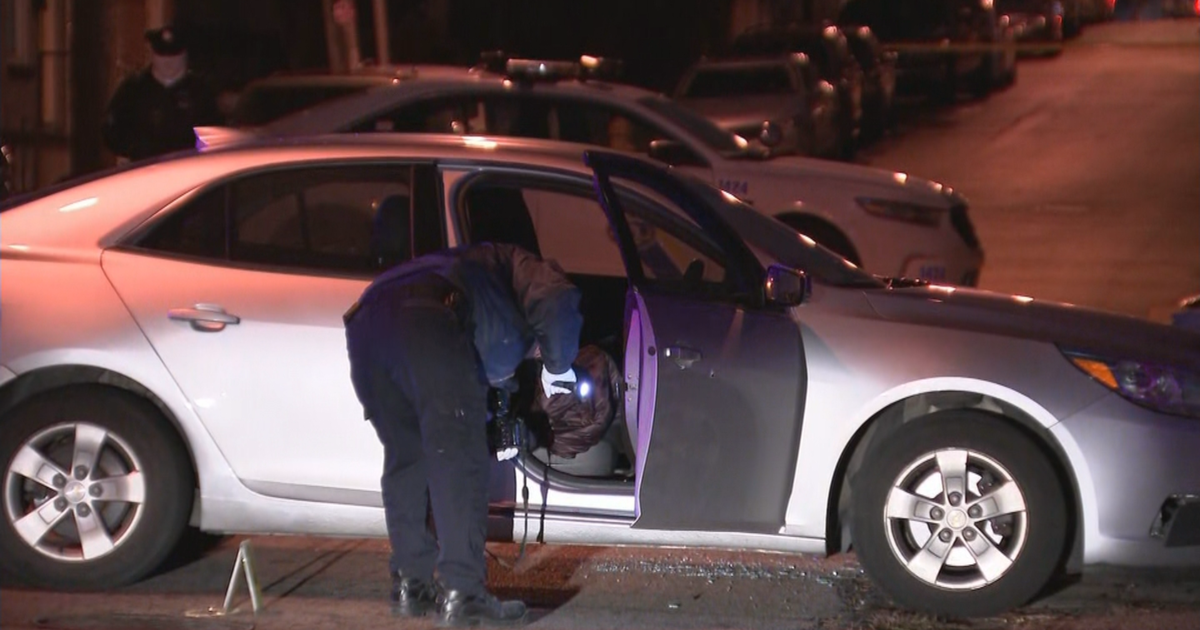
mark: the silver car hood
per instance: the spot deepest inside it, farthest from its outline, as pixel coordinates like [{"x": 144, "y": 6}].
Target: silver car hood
[{"x": 1103, "y": 333}]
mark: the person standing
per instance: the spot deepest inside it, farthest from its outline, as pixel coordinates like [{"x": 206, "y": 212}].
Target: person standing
[
  {"x": 155, "y": 110},
  {"x": 426, "y": 341}
]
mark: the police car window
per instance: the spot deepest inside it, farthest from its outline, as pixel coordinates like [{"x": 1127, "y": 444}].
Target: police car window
[
  {"x": 459, "y": 114},
  {"x": 701, "y": 128},
  {"x": 320, "y": 219},
  {"x": 591, "y": 123},
  {"x": 522, "y": 117}
]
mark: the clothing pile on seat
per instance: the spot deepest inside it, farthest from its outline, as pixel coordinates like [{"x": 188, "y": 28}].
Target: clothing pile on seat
[{"x": 578, "y": 423}]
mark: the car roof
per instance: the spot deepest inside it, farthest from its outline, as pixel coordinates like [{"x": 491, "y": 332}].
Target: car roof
[
  {"x": 563, "y": 155},
  {"x": 94, "y": 210},
  {"x": 364, "y": 104},
  {"x": 367, "y": 75}
]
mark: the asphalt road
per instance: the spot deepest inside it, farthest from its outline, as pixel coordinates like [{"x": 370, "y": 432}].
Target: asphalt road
[
  {"x": 1084, "y": 177},
  {"x": 1085, "y": 186}
]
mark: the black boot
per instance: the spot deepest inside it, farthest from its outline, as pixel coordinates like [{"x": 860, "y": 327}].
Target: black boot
[
  {"x": 458, "y": 609},
  {"x": 413, "y": 597}
]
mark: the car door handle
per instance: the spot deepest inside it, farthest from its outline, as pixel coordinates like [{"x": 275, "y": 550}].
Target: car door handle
[
  {"x": 204, "y": 317},
  {"x": 683, "y": 357}
]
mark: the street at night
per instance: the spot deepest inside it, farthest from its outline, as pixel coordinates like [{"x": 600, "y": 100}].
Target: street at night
[{"x": 1084, "y": 187}]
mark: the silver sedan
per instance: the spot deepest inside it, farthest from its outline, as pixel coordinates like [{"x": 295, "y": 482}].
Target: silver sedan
[{"x": 172, "y": 353}]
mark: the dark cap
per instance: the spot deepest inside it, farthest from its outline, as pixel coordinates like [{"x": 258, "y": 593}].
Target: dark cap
[{"x": 165, "y": 41}]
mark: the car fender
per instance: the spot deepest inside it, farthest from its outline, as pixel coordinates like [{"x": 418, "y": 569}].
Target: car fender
[
  {"x": 814, "y": 482},
  {"x": 850, "y": 388},
  {"x": 68, "y": 341}
]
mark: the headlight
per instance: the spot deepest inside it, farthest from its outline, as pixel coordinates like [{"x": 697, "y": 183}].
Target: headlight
[
  {"x": 901, "y": 211},
  {"x": 1162, "y": 388}
]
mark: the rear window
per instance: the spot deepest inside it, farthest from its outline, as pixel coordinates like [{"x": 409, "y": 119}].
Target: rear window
[
  {"x": 732, "y": 81},
  {"x": 263, "y": 104}
]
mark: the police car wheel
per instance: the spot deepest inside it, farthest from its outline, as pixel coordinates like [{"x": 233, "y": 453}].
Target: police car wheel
[
  {"x": 959, "y": 514},
  {"x": 97, "y": 489}
]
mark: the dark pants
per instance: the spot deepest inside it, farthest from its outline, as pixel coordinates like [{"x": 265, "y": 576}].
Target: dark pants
[{"x": 418, "y": 376}]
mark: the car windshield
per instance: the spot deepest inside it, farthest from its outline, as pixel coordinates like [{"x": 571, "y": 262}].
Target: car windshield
[
  {"x": 738, "y": 81},
  {"x": 702, "y": 129}
]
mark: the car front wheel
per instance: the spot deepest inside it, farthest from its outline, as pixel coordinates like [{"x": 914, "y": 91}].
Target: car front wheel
[
  {"x": 97, "y": 489},
  {"x": 961, "y": 514}
]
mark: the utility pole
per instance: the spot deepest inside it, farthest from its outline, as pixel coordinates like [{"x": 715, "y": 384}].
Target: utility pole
[{"x": 383, "y": 55}]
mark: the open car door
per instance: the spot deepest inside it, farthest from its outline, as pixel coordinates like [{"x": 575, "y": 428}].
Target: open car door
[{"x": 715, "y": 375}]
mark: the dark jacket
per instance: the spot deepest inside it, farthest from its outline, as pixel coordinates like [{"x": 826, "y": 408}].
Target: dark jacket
[
  {"x": 513, "y": 300},
  {"x": 146, "y": 118}
]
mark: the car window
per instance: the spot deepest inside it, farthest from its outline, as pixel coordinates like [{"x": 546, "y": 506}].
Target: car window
[
  {"x": 703, "y": 129},
  {"x": 739, "y": 81},
  {"x": 456, "y": 114},
  {"x": 566, "y": 224},
  {"x": 333, "y": 219},
  {"x": 599, "y": 124}
]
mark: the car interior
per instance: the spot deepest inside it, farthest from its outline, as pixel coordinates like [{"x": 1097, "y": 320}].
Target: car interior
[
  {"x": 500, "y": 214},
  {"x": 564, "y": 223}
]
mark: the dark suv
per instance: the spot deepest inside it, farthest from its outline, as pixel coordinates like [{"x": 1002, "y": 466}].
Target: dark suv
[{"x": 942, "y": 45}]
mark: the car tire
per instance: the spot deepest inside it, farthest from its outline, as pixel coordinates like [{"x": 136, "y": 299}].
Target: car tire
[
  {"x": 825, "y": 234},
  {"x": 1023, "y": 541},
  {"x": 134, "y": 496}
]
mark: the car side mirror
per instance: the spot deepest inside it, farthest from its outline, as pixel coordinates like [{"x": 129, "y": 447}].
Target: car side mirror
[
  {"x": 786, "y": 286},
  {"x": 771, "y": 134},
  {"x": 674, "y": 153}
]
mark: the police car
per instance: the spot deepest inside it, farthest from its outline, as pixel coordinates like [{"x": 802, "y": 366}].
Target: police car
[{"x": 888, "y": 223}]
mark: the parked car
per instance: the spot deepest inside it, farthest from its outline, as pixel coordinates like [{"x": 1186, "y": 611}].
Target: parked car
[
  {"x": 827, "y": 47},
  {"x": 889, "y": 223},
  {"x": 943, "y": 46},
  {"x": 1037, "y": 22},
  {"x": 879, "y": 79},
  {"x": 970, "y": 446},
  {"x": 741, "y": 94}
]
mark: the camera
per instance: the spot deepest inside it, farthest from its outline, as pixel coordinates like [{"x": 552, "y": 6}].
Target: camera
[{"x": 506, "y": 432}]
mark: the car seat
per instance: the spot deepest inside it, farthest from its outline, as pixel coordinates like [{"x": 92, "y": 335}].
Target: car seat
[
  {"x": 391, "y": 242},
  {"x": 499, "y": 215}
]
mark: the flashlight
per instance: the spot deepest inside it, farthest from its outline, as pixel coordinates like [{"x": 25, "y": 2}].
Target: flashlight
[{"x": 582, "y": 388}]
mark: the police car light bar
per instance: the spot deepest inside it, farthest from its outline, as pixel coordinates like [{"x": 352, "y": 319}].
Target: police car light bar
[
  {"x": 538, "y": 70},
  {"x": 600, "y": 67}
]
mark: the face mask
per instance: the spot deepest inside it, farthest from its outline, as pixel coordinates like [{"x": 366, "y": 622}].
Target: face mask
[{"x": 168, "y": 70}]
